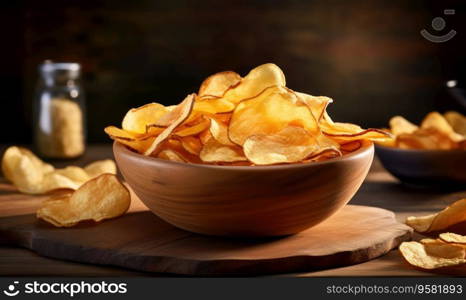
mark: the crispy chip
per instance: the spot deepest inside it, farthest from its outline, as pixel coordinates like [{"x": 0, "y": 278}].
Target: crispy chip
[
  {"x": 457, "y": 121},
  {"x": 219, "y": 132},
  {"x": 191, "y": 144},
  {"x": 399, "y": 125},
  {"x": 258, "y": 79},
  {"x": 451, "y": 215},
  {"x": 218, "y": 84},
  {"x": 31, "y": 175},
  {"x": 175, "y": 118},
  {"x": 450, "y": 237},
  {"x": 268, "y": 113},
  {"x": 439, "y": 248},
  {"x": 317, "y": 104},
  {"x": 213, "y": 151},
  {"x": 438, "y": 122},
  {"x": 100, "y": 167},
  {"x": 415, "y": 254},
  {"x": 292, "y": 144},
  {"x": 137, "y": 119},
  {"x": 103, "y": 197},
  {"x": 194, "y": 128}
]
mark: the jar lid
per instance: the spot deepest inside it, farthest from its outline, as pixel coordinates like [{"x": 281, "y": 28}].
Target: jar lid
[{"x": 64, "y": 70}]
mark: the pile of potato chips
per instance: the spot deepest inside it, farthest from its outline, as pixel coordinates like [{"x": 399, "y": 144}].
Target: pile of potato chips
[
  {"x": 448, "y": 250},
  {"x": 33, "y": 176},
  {"x": 436, "y": 132},
  {"x": 89, "y": 193},
  {"x": 255, "y": 120}
]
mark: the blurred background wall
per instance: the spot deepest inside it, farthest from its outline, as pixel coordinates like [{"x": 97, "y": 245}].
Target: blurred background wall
[{"x": 366, "y": 54}]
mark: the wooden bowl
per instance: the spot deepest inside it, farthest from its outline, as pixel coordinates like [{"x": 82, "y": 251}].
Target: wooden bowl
[
  {"x": 241, "y": 200},
  {"x": 436, "y": 168}
]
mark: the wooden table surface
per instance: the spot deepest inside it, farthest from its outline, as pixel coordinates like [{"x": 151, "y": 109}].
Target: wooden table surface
[{"x": 380, "y": 189}]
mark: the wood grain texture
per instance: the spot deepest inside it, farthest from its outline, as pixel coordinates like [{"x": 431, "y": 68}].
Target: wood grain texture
[
  {"x": 144, "y": 242},
  {"x": 244, "y": 201}
]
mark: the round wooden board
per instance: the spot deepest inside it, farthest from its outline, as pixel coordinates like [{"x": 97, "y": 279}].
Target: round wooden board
[{"x": 142, "y": 241}]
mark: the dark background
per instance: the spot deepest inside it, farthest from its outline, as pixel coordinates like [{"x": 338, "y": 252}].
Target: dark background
[{"x": 367, "y": 55}]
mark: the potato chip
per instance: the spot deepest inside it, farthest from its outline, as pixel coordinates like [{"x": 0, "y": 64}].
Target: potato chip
[
  {"x": 399, "y": 125},
  {"x": 137, "y": 119},
  {"x": 213, "y": 152},
  {"x": 170, "y": 154},
  {"x": 76, "y": 174},
  {"x": 415, "y": 254},
  {"x": 192, "y": 129},
  {"x": 31, "y": 175},
  {"x": 258, "y": 79},
  {"x": 103, "y": 197},
  {"x": 450, "y": 237},
  {"x": 11, "y": 160},
  {"x": 438, "y": 122},
  {"x": 100, "y": 167},
  {"x": 317, "y": 104},
  {"x": 174, "y": 119},
  {"x": 213, "y": 106},
  {"x": 191, "y": 144},
  {"x": 439, "y": 248},
  {"x": 453, "y": 214},
  {"x": 268, "y": 113},
  {"x": 219, "y": 132},
  {"x": 218, "y": 84},
  {"x": 420, "y": 224},
  {"x": 292, "y": 144},
  {"x": 457, "y": 121}
]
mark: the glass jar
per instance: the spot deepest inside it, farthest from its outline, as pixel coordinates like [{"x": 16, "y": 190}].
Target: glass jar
[{"x": 59, "y": 111}]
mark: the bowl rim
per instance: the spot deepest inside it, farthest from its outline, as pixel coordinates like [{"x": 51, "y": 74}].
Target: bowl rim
[
  {"x": 420, "y": 151},
  {"x": 367, "y": 146}
]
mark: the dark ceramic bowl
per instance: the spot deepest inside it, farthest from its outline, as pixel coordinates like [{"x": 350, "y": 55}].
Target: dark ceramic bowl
[
  {"x": 244, "y": 201},
  {"x": 425, "y": 167}
]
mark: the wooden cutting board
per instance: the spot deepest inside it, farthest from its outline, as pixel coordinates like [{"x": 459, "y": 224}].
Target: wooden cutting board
[{"x": 139, "y": 240}]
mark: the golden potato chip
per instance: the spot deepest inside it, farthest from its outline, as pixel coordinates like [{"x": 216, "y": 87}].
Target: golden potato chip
[
  {"x": 175, "y": 118},
  {"x": 76, "y": 174},
  {"x": 399, "y": 125},
  {"x": 258, "y": 79},
  {"x": 317, "y": 104},
  {"x": 216, "y": 85},
  {"x": 177, "y": 148},
  {"x": 292, "y": 144},
  {"x": 420, "y": 224},
  {"x": 170, "y": 154},
  {"x": 269, "y": 112},
  {"x": 136, "y": 142},
  {"x": 450, "y": 237},
  {"x": 137, "y": 119},
  {"x": 438, "y": 122},
  {"x": 191, "y": 144},
  {"x": 219, "y": 132},
  {"x": 103, "y": 197},
  {"x": 100, "y": 167},
  {"x": 451, "y": 215},
  {"x": 457, "y": 121},
  {"x": 192, "y": 129},
  {"x": 214, "y": 152},
  {"x": 415, "y": 254},
  {"x": 439, "y": 248},
  {"x": 213, "y": 106},
  {"x": 10, "y": 163}
]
